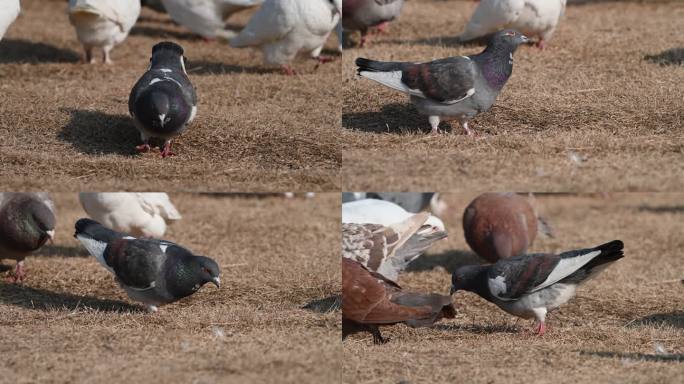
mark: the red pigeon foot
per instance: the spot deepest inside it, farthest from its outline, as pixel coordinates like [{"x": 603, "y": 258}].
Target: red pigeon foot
[
  {"x": 324, "y": 59},
  {"x": 166, "y": 152},
  {"x": 143, "y": 148}
]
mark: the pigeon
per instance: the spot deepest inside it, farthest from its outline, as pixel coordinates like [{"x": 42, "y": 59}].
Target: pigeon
[
  {"x": 140, "y": 214},
  {"x": 27, "y": 221},
  {"x": 530, "y": 286},
  {"x": 284, "y": 27},
  {"x": 102, "y": 23},
  {"x": 375, "y": 211},
  {"x": 206, "y": 17},
  {"x": 536, "y": 18},
  {"x": 388, "y": 250},
  {"x": 413, "y": 202},
  {"x": 458, "y": 87},
  {"x": 370, "y": 300},
  {"x": 163, "y": 101},
  {"x": 8, "y": 13},
  {"x": 360, "y": 15},
  {"x": 501, "y": 225},
  {"x": 154, "y": 272}
]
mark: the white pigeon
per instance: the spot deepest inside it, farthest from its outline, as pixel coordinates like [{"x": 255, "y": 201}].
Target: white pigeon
[
  {"x": 206, "y": 17},
  {"x": 102, "y": 23},
  {"x": 140, "y": 214},
  {"x": 8, "y": 13},
  {"x": 375, "y": 211},
  {"x": 529, "y": 17},
  {"x": 282, "y": 28}
]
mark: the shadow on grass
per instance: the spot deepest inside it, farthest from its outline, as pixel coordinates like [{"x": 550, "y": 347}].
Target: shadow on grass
[
  {"x": 475, "y": 328},
  {"x": 672, "y": 319},
  {"x": 674, "y": 56},
  {"x": 94, "y": 132},
  {"x": 676, "y": 357},
  {"x": 663, "y": 209},
  {"x": 450, "y": 260},
  {"x": 44, "y": 300},
  {"x": 24, "y": 51},
  {"x": 394, "y": 118},
  {"x": 201, "y": 67},
  {"x": 61, "y": 251},
  {"x": 325, "y": 305}
]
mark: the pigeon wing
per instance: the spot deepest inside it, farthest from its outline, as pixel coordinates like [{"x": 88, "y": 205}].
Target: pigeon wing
[
  {"x": 270, "y": 23},
  {"x": 447, "y": 81}
]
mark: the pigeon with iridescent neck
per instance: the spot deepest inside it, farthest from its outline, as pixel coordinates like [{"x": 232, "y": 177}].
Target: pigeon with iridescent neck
[
  {"x": 163, "y": 102},
  {"x": 454, "y": 88},
  {"x": 27, "y": 222},
  {"x": 154, "y": 272}
]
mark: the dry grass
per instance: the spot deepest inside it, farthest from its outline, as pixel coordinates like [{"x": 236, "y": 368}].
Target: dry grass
[
  {"x": 591, "y": 96},
  {"x": 71, "y": 323},
  {"x": 608, "y": 333},
  {"x": 66, "y": 125}
]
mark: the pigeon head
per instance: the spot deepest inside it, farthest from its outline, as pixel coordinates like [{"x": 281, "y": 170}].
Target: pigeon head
[
  {"x": 27, "y": 223},
  {"x": 162, "y": 108},
  {"x": 508, "y": 40},
  {"x": 190, "y": 273},
  {"x": 167, "y": 55},
  {"x": 466, "y": 278}
]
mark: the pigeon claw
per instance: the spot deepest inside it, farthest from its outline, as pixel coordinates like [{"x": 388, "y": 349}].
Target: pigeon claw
[
  {"x": 166, "y": 151},
  {"x": 324, "y": 59},
  {"x": 143, "y": 148},
  {"x": 19, "y": 274},
  {"x": 288, "y": 70},
  {"x": 540, "y": 328}
]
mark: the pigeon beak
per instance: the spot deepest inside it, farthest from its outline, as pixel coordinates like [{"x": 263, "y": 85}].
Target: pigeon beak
[
  {"x": 524, "y": 38},
  {"x": 161, "y": 119},
  {"x": 216, "y": 281},
  {"x": 51, "y": 236}
]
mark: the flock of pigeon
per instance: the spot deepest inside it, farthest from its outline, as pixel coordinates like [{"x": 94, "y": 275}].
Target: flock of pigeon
[
  {"x": 460, "y": 87},
  {"x": 163, "y": 102},
  {"x": 381, "y": 238},
  {"x": 154, "y": 272}
]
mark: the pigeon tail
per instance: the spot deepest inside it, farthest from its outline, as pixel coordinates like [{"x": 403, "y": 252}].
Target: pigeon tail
[
  {"x": 91, "y": 229},
  {"x": 610, "y": 252},
  {"x": 377, "y": 66},
  {"x": 440, "y": 307}
]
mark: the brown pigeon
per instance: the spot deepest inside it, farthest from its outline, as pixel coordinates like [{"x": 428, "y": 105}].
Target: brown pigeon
[
  {"x": 501, "y": 225},
  {"x": 27, "y": 221},
  {"x": 370, "y": 300}
]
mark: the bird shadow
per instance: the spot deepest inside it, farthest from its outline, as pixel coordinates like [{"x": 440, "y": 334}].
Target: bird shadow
[
  {"x": 394, "y": 118},
  {"x": 476, "y": 328},
  {"x": 673, "y": 56},
  {"x": 662, "y": 209},
  {"x": 449, "y": 260},
  {"x": 140, "y": 30},
  {"x": 202, "y": 67},
  {"x": 94, "y": 132},
  {"x": 61, "y": 251},
  {"x": 44, "y": 300},
  {"x": 23, "y": 51},
  {"x": 672, "y": 319},
  {"x": 678, "y": 357},
  {"x": 325, "y": 305}
]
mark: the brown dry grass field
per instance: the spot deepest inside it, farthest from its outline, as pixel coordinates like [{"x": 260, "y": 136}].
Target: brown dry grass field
[
  {"x": 65, "y": 125},
  {"x": 70, "y": 322},
  {"x": 608, "y": 333},
  {"x": 589, "y": 113}
]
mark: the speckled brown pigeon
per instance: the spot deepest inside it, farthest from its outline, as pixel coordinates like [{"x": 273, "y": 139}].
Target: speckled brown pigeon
[
  {"x": 27, "y": 222},
  {"x": 457, "y": 87}
]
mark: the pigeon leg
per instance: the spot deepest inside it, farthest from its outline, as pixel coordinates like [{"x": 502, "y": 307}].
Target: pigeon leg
[
  {"x": 288, "y": 70},
  {"x": 541, "y": 44},
  {"x": 166, "y": 152},
  {"x": 144, "y": 147},
  {"x": 105, "y": 54},
  {"x": 152, "y": 308},
  {"x": 364, "y": 38},
  {"x": 382, "y": 27},
  {"x": 468, "y": 131},
  {"x": 377, "y": 337},
  {"x": 539, "y": 328},
  {"x": 434, "y": 123},
  {"x": 88, "y": 55},
  {"x": 19, "y": 273}
]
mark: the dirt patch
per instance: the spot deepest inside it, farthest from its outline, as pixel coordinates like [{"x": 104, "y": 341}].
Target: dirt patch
[
  {"x": 592, "y": 112},
  {"x": 70, "y": 322},
  {"x": 65, "y": 124},
  {"x": 625, "y": 325}
]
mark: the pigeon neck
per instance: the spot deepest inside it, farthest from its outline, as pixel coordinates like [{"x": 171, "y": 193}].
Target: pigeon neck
[
  {"x": 182, "y": 279},
  {"x": 496, "y": 64}
]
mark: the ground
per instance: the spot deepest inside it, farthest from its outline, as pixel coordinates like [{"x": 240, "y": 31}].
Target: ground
[
  {"x": 65, "y": 125},
  {"x": 70, "y": 322},
  {"x": 608, "y": 333},
  {"x": 595, "y": 111}
]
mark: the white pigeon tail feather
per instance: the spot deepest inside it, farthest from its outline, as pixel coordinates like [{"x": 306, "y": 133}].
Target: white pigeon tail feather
[{"x": 567, "y": 267}]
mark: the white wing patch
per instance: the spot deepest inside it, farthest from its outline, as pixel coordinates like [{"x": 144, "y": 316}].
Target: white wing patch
[
  {"x": 163, "y": 247},
  {"x": 96, "y": 249},
  {"x": 392, "y": 80},
  {"x": 565, "y": 268},
  {"x": 155, "y": 80},
  {"x": 497, "y": 285},
  {"x": 469, "y": 93}
]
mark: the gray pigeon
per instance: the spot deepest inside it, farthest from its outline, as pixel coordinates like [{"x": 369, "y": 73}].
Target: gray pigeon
[
  {"x": 530, "y": 286},
  {"x": 154, "y": 272},
  {"x": 360, "y": 15},
  {"x": 163, "y": 101},
  {"x": 27, "y": 221},
  {"x": 458, "y": 87}
]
